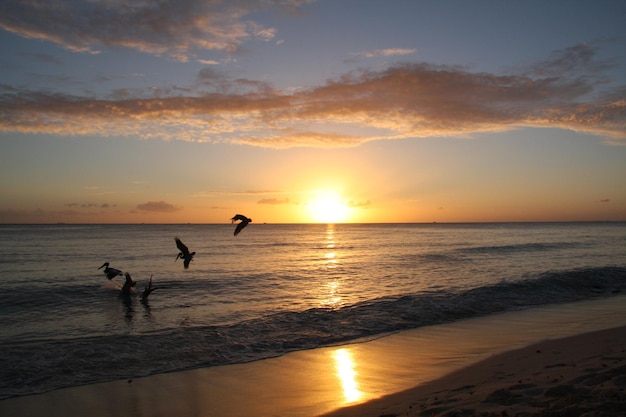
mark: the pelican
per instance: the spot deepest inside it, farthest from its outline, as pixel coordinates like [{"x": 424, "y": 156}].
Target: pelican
[
  {"x": 184, "y": 254},
  {"x": 240, "y": 226},
  {"x": 110, "y": 272},
  {"x": 147, "y": 290},
  {"x": 128, "y": 285}
]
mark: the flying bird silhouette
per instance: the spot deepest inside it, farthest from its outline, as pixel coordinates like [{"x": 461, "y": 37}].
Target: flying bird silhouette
[
  {"x": 148, "y": 290},
  {"x": 244, "y": 222},
  {"x": 110, "y": 272},
  {"x": 184, "y": 254},
  {"x": 128, "y": 285}
]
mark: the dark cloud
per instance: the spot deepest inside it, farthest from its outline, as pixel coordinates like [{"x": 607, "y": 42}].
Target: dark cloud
[
  {"x": 178, "y": 28},
  {"x": 158, "y": 207},
  {"x": 90, "y": 205},
  {"x": 574, "y": 59},
  {"x": 604, "y": 200},
  {"x": 413, "y": 100},
  {"x": 38, "y": 216}
]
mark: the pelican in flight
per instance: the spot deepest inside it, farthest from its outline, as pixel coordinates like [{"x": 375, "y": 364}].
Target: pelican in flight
[
  {"x": 128, "y": 285},
  {"x": 110, "y": 272},
  {"x": 184, "y": 254},
  {"x": 244, "y": 222},
  {"x": 148, "y": 290}
]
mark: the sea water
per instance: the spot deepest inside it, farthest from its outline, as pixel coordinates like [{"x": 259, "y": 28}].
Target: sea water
[{"x": 270, "y": 290}]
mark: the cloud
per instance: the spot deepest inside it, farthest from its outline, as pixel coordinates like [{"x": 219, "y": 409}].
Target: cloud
[
  {"x": 178, "y": 28},
  {"x": 573, "y": 59},
  {"x": 387, "y": 52},
  {"x": 208, "y": 61},
  {"x": 214, "y": 193},
  {"x": 44, "y": 58},
  {"x": 359, "y": 204},
  {"x": 91, "y": 205},
  {"x": 158, "y": 207},
  {"x": 411, "y": 100},
  {"x": 273, "y": 201},
  {"x": 38, "y": 216},
  {"x": 604, "y": 200}
]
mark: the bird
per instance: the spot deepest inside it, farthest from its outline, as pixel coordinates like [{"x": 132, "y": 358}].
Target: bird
[
  {"x": 110, "y": 272},
  {"x": 184, "y": 254},
  {"x": 128, "y": 285},
  {"x": 244, "y": 222},
  {"x": 148, "y": 290}
]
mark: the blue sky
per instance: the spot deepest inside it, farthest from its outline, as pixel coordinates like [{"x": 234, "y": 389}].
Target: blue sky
[{"x": 382, "y": 111}]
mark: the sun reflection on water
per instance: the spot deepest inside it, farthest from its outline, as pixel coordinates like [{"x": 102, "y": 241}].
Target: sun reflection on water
[
  {"x": 344, "y": 365},
  {"x": 331, "y": 286}
]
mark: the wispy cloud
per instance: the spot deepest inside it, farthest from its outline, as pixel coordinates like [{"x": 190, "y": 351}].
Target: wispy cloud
[
  {"x": 45, "y": 58},
  {"x": 214, "y": 193},
  {"x": 91, "y": 205},
  {"x": 208, "y": 61},
  {"x": 412, "y": 100},
  {"x": 274, "y": 201},
  {"x": 38, "y": 216},
  {"x": 387, "y": 52},
  {"x": 178, "y": 28},
  {"x": 158, "y": 207},
  {"x": 359, "y": 204}
]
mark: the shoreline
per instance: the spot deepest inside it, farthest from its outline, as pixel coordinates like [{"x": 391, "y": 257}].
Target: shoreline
[
  {"x": 581, "y": 375},
  {"x": 372, "y": 376}
]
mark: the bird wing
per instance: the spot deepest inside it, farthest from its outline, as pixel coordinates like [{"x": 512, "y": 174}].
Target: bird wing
[
  {"x": 240, "y": 226},
  {"x": 239, "y": 217},
  {"x": 181, "y": 246}
]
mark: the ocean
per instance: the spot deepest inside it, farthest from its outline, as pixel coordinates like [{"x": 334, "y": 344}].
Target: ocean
[{"x": 272, "y": 289}]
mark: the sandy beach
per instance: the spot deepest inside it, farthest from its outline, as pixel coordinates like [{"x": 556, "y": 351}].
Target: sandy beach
[
  {"x": 489, "y": 366},
  {"x": 583, "y": 375}
]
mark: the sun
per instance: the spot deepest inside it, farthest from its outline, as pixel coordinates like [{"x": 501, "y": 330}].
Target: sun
[{"x": 327, "y": 207}]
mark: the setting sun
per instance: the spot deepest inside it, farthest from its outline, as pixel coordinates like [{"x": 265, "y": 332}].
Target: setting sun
[{"x": 327, "y": 207}]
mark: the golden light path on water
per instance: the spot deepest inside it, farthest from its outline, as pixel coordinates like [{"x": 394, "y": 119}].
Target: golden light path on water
[{"x": 331, "y": 291}]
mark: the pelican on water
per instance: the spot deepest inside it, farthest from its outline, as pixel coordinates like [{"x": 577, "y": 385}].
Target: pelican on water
[
  {"x": 148, "y": 290},
  {"x": 128, "y": 285},
  {"x": 184, "y": 254},
  {"x": 110, "y": 272},
  {"x": 244, "y": 222}
]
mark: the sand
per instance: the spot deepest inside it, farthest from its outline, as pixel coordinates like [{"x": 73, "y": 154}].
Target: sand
[
  {"x": 488, "y": 366},
  {"x": 583, "y": 375}
]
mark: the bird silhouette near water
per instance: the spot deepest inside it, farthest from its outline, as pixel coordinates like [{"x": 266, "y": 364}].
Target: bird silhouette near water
[
  {"x": 184, "y": 254},
  {"x": 243, "y": 222},
  {"x": 128, "y": 285},
  {"x": 147, "y": 290},
  {"x": 110, "y": 272}
]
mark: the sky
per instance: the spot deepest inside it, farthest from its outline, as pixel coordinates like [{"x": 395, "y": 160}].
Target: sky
[{"x": 292, "y": 111}]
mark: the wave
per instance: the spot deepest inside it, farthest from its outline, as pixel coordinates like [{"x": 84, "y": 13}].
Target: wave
[
  {"x": 38, "y": 366},
  {"x": 522, "y": 247}
]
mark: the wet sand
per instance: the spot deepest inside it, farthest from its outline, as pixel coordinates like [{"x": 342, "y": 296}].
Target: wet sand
[
  {"x": 582, "y": 375},
  {"x": 470, "y": 367}
]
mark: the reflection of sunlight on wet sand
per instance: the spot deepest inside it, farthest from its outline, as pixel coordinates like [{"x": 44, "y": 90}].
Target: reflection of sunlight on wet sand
[{"x": 347, "y": 375}]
